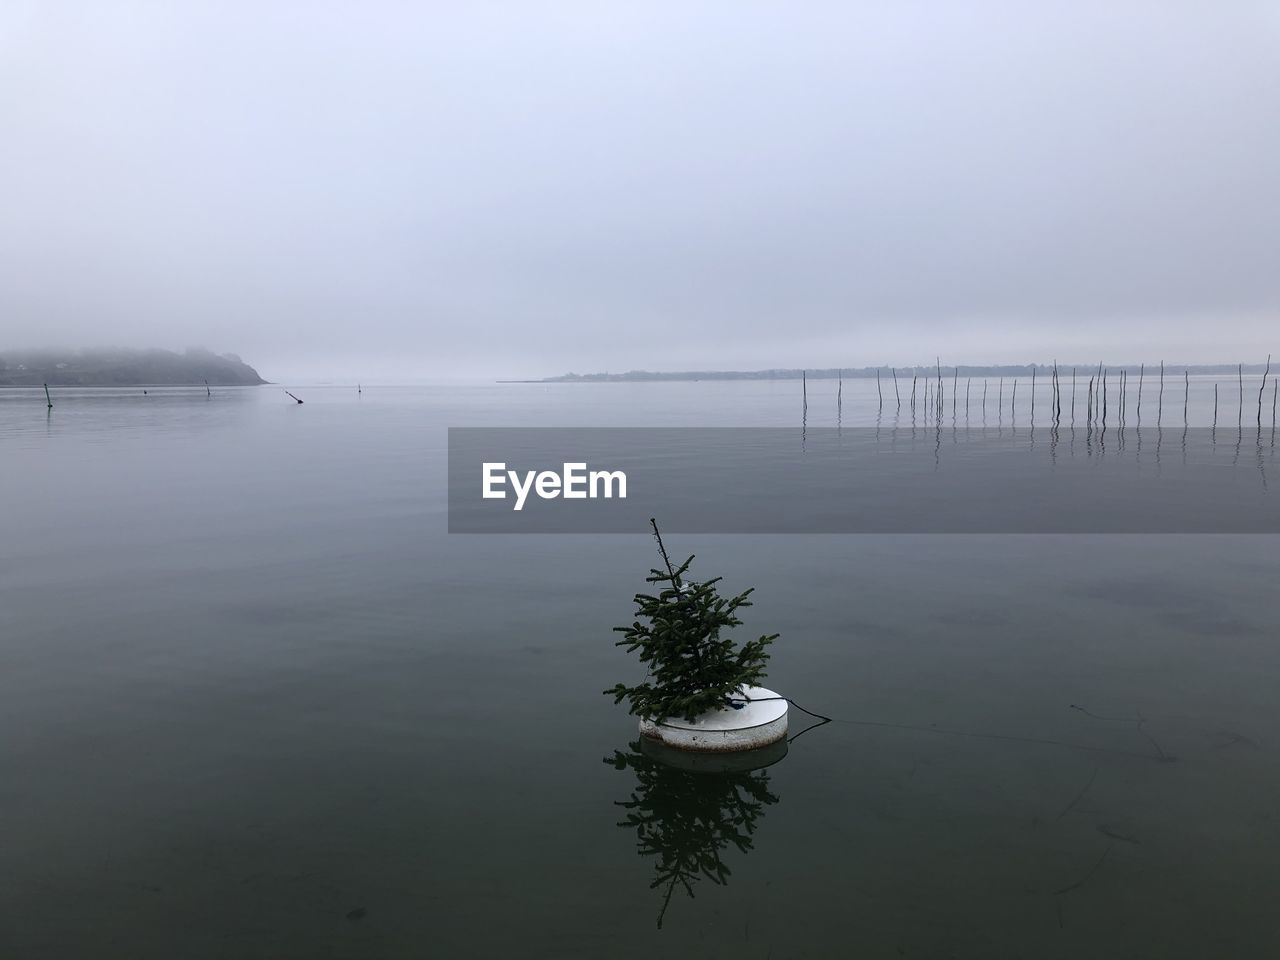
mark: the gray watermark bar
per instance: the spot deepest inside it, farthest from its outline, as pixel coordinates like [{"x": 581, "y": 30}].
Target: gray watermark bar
[{"x": 926, "y": 479}]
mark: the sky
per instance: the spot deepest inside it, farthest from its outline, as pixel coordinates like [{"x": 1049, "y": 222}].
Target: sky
[{"x": 407, "y": 191}]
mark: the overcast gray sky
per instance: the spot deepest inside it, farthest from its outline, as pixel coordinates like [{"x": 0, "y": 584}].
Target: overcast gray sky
[{"x": 411, "y": 190}]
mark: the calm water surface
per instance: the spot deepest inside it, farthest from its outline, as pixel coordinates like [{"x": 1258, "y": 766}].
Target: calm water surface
[{"x": 256, "y": 703}]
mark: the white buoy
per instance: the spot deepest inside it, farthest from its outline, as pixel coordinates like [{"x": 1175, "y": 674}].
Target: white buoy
[{"x": 756, "y": 720}]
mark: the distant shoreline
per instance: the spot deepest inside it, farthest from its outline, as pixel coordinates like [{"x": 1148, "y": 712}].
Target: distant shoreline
[
  {"x": 947, "y": 372},
  {"x": 128, "y": 386},
  {"x": 125, "y": 368}
]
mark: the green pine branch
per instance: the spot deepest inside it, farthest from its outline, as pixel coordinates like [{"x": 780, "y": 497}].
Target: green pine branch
[{"x": 677, "y": 635}]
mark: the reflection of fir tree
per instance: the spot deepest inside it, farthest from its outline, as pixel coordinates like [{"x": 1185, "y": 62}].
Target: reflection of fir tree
[{"x": 686, "y": 820}]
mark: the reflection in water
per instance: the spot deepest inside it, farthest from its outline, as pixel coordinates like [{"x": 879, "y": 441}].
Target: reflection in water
[
  {"x": 1196, "y": 445},
  {"x": 688, "y": 809}
]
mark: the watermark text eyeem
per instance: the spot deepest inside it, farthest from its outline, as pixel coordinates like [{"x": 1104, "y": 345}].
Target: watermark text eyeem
[{"x": 574, "y": 482}]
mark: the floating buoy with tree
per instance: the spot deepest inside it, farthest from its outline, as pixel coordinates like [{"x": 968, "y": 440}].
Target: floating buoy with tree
[{"x": 702, "y": 691}]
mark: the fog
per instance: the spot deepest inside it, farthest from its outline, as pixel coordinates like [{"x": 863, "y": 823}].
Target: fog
[{"x": 412, "y": 190}]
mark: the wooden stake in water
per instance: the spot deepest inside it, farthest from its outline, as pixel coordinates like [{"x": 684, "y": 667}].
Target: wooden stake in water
[
  {"x": 878, "y": 393},
  {"x": 968, "y": 385},
  {"x": 207, "y": 391},
  {"x": 804, "y": 389},
  {"x": 1013, "y": 401},
  {"x": 1240, "y": 411},
  {"x": 48, "y": 399},
  {"x": 1097, "y": 406},
  {"x": 1262, "y": 389},
  {"x": 840, "y": 391},
  {"x": 1033, "y": 394},
  {"x": 290, "y": 394},
  {"x": 897, "y": 396},
  {"x": 1160, "y": 401},
  {"x": 1186, "y": 394},
  {"x": 1142, "y": 369},
  {"x": 1215, "y": 405},
  {"x": 1073, "y": 396}
]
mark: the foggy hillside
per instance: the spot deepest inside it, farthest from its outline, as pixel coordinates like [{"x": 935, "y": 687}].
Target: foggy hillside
[{"x": 120, "y": 368}]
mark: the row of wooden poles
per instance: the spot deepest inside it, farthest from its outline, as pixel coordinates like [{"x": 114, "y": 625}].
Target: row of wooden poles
[
  {"x": 1096, "y": 400},
  {"x": 48, "y": 398}
]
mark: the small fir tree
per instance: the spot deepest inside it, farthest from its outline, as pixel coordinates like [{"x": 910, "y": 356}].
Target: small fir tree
[{"x": 692, "y": 668}]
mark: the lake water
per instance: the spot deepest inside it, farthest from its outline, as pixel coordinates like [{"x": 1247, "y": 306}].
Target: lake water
[{"x": 257, "y": 703}]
